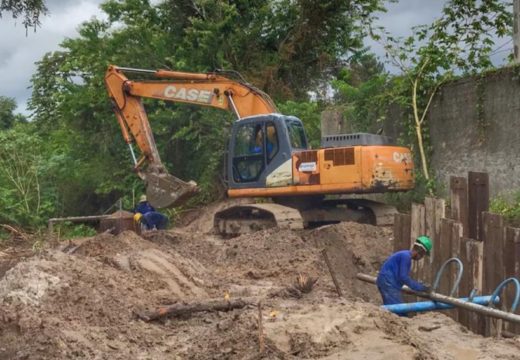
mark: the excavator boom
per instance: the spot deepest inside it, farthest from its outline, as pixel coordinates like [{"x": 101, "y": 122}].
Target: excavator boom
[{"x": 212, "y": 89}]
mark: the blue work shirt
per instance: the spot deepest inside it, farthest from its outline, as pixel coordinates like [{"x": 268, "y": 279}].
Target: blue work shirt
[
  {"x": 396, "y": 272},
  {"x": 144, "y": 207}
]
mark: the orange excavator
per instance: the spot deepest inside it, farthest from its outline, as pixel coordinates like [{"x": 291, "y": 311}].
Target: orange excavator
[{"x": 268, "y": 155}]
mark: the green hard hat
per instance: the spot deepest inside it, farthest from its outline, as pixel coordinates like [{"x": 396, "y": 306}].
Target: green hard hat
[{"x": 426, "y": 242}]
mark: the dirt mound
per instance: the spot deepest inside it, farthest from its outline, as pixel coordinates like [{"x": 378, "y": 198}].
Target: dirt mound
[
  {"x": 28, "y": 283},
  {"x": 80, "y": 301},
  {"x": 343, "y": 330},
  {"x": 271, "y": 259},
  {"x": 131, "y": 253},
  {"x": 10, "y": 256},
  {"x": 81, "y": 304},
  {"x": 355, "y": 330},
  {"x": 353, "y": 248}
]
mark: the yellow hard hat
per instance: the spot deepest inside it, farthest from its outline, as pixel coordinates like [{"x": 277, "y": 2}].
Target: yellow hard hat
[
  {"x": 137, "y": 217},
  {"x": 142, "y": 198}
]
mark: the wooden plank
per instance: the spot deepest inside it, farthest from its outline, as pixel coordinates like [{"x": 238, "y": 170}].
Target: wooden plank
[
  {"x": 511, "y": 269},
  {"x": 398, "y": 233},
  {"x": 478, "y": 201},
  {"x": 440, "y": 212},
  {"x": 445, "y": 254},
  {"x": 466, "y": 282},
  {"x": 417, "y": 229},
  {"x": 429, "y": 217},
  {"x": 517, "y": 268},
  {"x": 401, "y": 231},
  {"x": 487, "y": 259},
  {"x": 456, "y": 234},
  {"x": 493, "y": 238},
  {"x": 475, "y": 259},
  {"x": 407, "y": 224},
  {"x": 459, "y": 201},
  {"x": 429, "y": 222},
  {"x": 418, "y": 224},
  {"x": 332, "y": 272}
]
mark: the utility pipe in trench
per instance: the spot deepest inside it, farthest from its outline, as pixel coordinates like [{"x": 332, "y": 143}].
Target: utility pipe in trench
[
  {"x": 422, "y": 306},
  {"x": 484, "y": 310}
]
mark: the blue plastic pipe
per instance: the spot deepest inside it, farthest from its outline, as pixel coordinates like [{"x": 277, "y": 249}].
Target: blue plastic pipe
[{"x": 422, "y": 306}]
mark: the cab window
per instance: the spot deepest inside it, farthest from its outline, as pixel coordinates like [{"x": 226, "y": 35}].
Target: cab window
[
  {"x": 272, "y": 141},
  {"x": 248, "y": 154},
  {"x": 296, "y": 134}
]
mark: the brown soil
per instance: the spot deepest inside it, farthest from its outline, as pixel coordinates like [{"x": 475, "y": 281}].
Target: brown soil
[{"x": 78, "y": 301}]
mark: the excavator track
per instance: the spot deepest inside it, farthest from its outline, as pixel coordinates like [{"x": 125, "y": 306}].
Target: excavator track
[
  {"x": 383, "y": 214},
  {"x": 243, "y": 219}
]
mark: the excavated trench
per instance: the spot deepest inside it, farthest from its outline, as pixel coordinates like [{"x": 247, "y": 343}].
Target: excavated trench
[{"x": 83, "y": 304}]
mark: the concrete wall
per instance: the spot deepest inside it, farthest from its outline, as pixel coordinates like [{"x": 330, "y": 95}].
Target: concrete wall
[{"x": 464, "y": 141}]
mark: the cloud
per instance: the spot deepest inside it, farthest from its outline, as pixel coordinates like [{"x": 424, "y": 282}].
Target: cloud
[
  {"x": 19, "y": 52},
  {"x": 401, "y": 17}
]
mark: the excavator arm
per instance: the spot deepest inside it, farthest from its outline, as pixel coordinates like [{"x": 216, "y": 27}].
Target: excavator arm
[{"x": 211, "y": 89}]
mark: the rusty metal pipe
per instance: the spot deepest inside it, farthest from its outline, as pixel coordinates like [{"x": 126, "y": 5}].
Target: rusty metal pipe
[{"x": 484, "y": 310}]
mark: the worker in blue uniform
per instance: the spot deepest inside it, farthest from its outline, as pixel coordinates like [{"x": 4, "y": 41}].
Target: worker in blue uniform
[
  {"x": 147, "y": 217},
  {"x": 395, "y": 271}
]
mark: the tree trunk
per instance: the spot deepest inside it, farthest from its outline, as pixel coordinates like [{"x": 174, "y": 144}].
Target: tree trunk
[
  {"x": 418, "y": 130},
  {"x": 188, "y": 309}
]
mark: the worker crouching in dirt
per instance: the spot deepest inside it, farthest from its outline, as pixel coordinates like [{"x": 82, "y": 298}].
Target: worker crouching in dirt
[
  {"x": 151, "y": 220},
  {"x": 395, "y": 272},
  {"x": 147, "y": 217}
]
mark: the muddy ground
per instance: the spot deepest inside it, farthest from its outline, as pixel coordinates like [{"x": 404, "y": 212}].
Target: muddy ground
[{"x": 79, "y": 300}]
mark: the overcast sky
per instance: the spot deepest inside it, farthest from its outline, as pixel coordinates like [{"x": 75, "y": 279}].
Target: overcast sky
[{"x": 19, "y": 52}]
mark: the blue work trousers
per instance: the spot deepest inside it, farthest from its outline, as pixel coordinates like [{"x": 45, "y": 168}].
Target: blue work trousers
[
  {"x": 388, "y": 291},
  {"x": 154, "y": 220}
]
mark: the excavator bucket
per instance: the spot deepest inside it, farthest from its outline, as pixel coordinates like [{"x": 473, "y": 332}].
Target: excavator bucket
[{"x": 164, "y": 190}]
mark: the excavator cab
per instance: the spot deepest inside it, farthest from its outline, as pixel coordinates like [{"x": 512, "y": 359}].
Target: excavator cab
[{"x": 260, "y": 150}]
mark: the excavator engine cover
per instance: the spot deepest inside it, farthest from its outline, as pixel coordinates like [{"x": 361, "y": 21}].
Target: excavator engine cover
[{"x": 164, "y": 190}]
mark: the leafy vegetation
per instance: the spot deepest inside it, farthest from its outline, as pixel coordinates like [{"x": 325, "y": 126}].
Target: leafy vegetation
[
  {"x": 507, "y": 206},
  {"x": 68, "y": 230},
  {"x": 71, "y": 159},
  {"x": 459, "y": 42},
  {"x": 362, "y": 90},
  {"x": 29, "y": 10},
  {"x": 286, "y": 48}
]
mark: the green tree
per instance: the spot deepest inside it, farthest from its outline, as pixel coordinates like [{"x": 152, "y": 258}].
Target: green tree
[
  {"x": 361, "y": 91},
  {"x": 284, "y": 47},
  {"x": 7, "y": 115},
  {"x": 24, "y": 173},
  {"x": 29, "y": 10},
  {"x": 459, "y": 42},
  {"x": 310, "y": 114}
]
